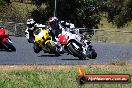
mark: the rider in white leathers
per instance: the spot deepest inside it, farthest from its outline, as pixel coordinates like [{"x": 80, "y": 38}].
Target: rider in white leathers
[
  {"x": 72, "y": 29},
  {"x": 58, "y": 27},
  {"x": 30, "y": 29},
  {"x": 36, "y": 47}
]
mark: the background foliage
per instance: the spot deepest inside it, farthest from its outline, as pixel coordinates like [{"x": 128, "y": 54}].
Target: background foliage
[
  {"x": 118, "y": 11},
  {"x": 84, "y": 13}
]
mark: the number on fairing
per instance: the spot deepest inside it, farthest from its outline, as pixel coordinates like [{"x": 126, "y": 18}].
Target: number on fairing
[
  {"x": 9, "y": 40},
  {"x": 40, "y": 35},
  {"x": 75, "y": 45}
]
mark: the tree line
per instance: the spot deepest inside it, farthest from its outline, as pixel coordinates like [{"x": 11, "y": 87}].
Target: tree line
[{"x": 86, "y": 13}]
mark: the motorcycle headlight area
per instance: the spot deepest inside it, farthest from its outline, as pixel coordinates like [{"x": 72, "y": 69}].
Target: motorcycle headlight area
[
  {"x": 40, "y": 35},
  {"x": 37, "y": 31}
]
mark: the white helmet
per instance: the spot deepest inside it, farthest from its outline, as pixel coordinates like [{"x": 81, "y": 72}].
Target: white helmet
[
  {"x": 67, "y": 23},
  {"x": 30, "y": 23},
  {"x": 72, "y": 25}
]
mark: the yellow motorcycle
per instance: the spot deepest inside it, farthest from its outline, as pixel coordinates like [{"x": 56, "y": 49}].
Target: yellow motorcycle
[{"x": 43, "y": 40}]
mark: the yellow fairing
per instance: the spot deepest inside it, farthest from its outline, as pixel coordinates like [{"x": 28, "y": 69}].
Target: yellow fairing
[{"x": 41, "y": 35}]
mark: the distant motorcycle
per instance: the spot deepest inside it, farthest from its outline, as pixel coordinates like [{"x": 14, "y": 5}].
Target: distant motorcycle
[
  {"x": 5, "y": 41},
  {"x": 71, "y": 43}
]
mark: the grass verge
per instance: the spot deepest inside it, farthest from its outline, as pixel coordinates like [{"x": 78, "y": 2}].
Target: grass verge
[
  {"x": 112, "y": 34},
  {"x": 113, "y": 37},
  {"x": 38, "y": 76}
]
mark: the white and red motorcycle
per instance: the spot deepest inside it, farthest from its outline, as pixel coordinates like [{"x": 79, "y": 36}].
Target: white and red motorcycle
[{"x": 71, "y": 42}]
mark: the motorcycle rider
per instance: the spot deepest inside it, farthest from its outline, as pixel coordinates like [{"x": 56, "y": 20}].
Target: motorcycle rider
[
  {"x": 67, "y": 25},
  {"x": 54, "y": 30},
  {"x": 72, "y": 29},
  {"x": 30, "y": 29},
  {"x": 57, "y": 27},
  {"x": 36, "y": 47}
]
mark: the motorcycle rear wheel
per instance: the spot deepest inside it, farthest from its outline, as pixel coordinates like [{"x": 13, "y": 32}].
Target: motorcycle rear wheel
[{"x": 9, "y": 45}]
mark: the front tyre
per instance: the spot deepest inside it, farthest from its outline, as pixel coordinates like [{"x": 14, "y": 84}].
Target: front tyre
[
  {"x": 52, "y": 48},
  {"x": 75, "y": 52},
  {"x": 92, "y": 54},
  {"x": 9, "y": 45}
]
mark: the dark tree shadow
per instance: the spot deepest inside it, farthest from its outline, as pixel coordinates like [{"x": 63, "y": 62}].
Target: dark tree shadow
[
  {"x": 4, "y": 50},
  {"x": 48, "y": 55},
  {"x": 74, "y": 59}
]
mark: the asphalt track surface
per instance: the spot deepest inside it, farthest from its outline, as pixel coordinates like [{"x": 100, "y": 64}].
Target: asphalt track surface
[{"x": 25, "y": 55}]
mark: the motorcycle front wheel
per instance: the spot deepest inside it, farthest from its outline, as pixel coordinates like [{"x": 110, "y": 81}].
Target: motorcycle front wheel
[
  {"x": 75, "y": 52},
  {"x": 92, "y": 54},
  {"x": 52, "y": 48}
]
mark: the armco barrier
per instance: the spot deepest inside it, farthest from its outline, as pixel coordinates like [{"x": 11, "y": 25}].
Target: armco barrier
[
  {"x": 105, "y": 35},
  {"x": 17, "y": 29},
  {"x": 13, "y": 28}
]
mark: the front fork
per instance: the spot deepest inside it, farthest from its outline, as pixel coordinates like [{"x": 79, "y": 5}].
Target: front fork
[{"x": 86, "y": 48}]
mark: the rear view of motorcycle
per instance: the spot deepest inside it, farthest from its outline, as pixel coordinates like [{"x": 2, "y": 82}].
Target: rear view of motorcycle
[{"x": 5, "y": 41}]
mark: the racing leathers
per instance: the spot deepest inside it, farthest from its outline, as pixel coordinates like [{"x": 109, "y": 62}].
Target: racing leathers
[
  {"x": 54, "y": 32},
  {"x": 29, "y": 34},
  {"x": 85, "y": 43}
]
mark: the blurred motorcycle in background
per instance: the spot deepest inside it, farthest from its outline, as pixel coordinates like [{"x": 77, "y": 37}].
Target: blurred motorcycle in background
[{"x": 5, "y": 41}]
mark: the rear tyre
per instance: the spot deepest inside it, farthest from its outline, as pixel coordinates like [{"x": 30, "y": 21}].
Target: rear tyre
[
  {"x": 9, "y": 45},
  {"x": 75, "y": 53},
  {"x": 52, "y": 49}
]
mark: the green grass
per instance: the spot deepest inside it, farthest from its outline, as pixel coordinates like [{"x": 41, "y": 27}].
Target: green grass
[
  {"x": 59, "y": 78},
  {"x": 108, "y": 35},
  {"x": 113, "y": 37}
]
